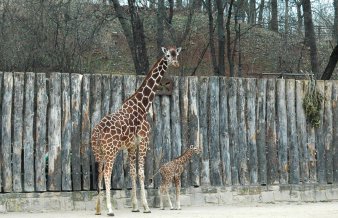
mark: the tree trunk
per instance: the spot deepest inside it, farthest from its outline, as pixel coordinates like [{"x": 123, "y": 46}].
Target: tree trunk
[
  {"x": 260, "y": 13},
  {"x": 331, "y": 65},
  {"x": 179, "y": 4},
  {"x": 134, "y": 33},
  {"x": 335, "y": 24},
  {"x": 221, "y": 37},
  {"x": 299, "y": 17},
  {"x": 227, "y": 26},
  {"x": 274, "y": 16},
  {"x": 252, "y": 12},
  {"x": 160, "y": 26},
  {"x": 310, "y": 39},
  {"x": 211, "y": 37},
  {"x": 286, "y": 24}
]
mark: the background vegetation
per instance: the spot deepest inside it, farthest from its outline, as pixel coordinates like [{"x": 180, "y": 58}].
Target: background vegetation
[{"x": 250, "y": 38}]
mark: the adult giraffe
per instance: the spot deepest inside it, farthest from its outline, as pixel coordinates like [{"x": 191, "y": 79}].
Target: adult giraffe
[{"x": 128, "y": 129}]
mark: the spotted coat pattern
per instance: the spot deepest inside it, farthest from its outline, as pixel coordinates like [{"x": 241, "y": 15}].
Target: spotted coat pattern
[
  {"x": 171, "y": 172},
  {"x": 129, "y": 129}
]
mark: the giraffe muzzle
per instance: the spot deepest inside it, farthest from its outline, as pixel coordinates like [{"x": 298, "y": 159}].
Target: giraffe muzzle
[{"x": 175, "y": 64}]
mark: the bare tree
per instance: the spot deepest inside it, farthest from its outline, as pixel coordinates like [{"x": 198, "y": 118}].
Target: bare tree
[
  {"x": 221, "y": 37},
  {"x": 310, "y": 39},
  {"x": 299, "y": 16},
  {"x": 335, "y": 24},
  {"x": 227, "y": 26},
  {"x": 330, "y": 65},
  {"x": 134, "y": 33},
  {"x": 274, "y": 16},
  {"x": 252, "y": 12},
  {"x": 260, "y": 13}
]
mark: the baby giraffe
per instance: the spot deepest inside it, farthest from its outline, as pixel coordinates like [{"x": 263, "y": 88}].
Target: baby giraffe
[{"x": 172, "y": 171}]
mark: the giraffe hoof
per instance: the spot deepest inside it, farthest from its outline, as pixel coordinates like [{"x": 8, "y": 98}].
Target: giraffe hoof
[
  {"x": 111, "y": 214},
  {"x": 98, "y": 213},
  {"x": 173, "y": 209},
  {"x": 161, "y": 208},
  {"x": 147, "y": 211},
  {"x": 137, "y": 210}
]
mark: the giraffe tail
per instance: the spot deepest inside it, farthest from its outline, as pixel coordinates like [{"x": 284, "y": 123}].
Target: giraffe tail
[{"x": 152, "y": 178}]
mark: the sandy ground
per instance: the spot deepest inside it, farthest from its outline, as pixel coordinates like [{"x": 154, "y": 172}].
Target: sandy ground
[{"x": 313, "y": 210}]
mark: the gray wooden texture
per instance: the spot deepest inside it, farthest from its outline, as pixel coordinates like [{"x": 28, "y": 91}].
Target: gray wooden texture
[{"x": 251, "y": 131}]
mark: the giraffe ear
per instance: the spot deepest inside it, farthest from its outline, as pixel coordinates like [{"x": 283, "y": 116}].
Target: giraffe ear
[
  {"x": 178, "y": 50},
  {"x": 164, "y": 50}
]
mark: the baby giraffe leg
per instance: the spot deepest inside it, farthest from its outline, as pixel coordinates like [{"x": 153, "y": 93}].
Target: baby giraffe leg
[
  {"x": 178, "y": 191},
  {"x": 160, "y": 193},
  {"x": 168, "y": 196},
  {"x": 107, "y": 177},
  {"x": 99, "y": 188}
]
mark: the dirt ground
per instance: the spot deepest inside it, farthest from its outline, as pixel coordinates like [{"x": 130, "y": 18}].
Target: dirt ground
[{"x": 321, "y": 210}]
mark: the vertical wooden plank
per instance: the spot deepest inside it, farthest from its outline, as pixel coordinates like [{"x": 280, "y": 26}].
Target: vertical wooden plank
[
  {"x": 28, "y": 134},
  {"x": 129, "y": 89},
  {"x": 1, "y": 169},
  {"x": 292, "y": 137},
  {"x": 66, "y": 136},
  {"x": 327, "y": 131},
  {"x": 6, "y": 140},
  {"x": 242, "y": 134},
  {"x": 96, "y": 92},
  {"x": 19, "y": 79},
  {"x": 224, "y": 131},
  {"x": 233, "y": 130},
  {"x": 85, "y": 149},
  {"x": 193, "y": 117},
  {"x": 301, "y": 132},
  {"x": 75, "y": 81},
  {"x": 160, "y": 154},
  {"x": 282, "y": 132},
  {"x": 40, "y": 132},
  {"x": 214, "y": 143},
  {"x": 106, "y": 94},
  {"x": 203, "y": 121},
  {"x": 335, "y": 130},
  {"x": 165, "y": 128},
  {"x": 271, "y": 141},
  {"x": 117, "y": 93},
  {"x": 176, "y": 139},
  {"x": 54, "y": 133},
  {"x": 261, "y": 131},
  {"x": 184, "y": 105},
  {"x": 321, "y": 169},
  {"x": 252, "y": 133}
]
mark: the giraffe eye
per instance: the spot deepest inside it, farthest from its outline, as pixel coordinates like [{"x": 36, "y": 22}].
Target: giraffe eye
[{"x": 168, "y": 55}]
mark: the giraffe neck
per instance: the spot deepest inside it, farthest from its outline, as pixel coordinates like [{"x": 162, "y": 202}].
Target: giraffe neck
[
  {"x": 145, "y": 94},
  {"x": 185, "y": 157}
]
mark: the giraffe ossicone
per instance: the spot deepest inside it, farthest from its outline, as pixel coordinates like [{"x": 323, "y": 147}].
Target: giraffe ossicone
[{"x": 128, "y": 128}]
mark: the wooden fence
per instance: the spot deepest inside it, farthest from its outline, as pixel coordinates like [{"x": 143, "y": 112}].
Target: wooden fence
[{"x": 252, "y": 131}]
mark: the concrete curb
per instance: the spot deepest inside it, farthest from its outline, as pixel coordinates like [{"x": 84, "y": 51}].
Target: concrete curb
[{"x": 201, "y": 196}]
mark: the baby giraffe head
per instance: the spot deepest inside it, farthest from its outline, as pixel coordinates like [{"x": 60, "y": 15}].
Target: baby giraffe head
[
  {"x": 171, "y": 54},
  {"x": 195, "y": 149}
]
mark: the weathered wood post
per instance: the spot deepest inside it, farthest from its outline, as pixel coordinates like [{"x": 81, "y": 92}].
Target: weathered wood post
[
  {"x": 28, "y": 134},
  {"x": 321, "y": 168},
  {"x": 261, "y": 131},
  {"x": 40, "y": 132},
  {"x": 54, "y": 133},
  {"x": 292, "y": 132},
  {"x": 214, "y": 143},
  {"x": 233, "y": 130},
  {"x": 203, "y": 121},
  {"x": 19, "y": 80},
  {"x": 335, "y": 130},
  {"x": 224, "y": 131},
  {"x": 271, "y": 140},
  {"x": 301, "y": 132},
  {"x": 85, "y": 149},
  {"x": 328, "y": 131},
  {"x": 250, "y": 90},
  {"x": 1, "y": 76},
  {"x": 282, "y": 133}
]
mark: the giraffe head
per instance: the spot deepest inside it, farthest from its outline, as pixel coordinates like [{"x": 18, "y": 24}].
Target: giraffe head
[
  {"x": 195, "y": 149},
  {"x": 171, "y": 54}
]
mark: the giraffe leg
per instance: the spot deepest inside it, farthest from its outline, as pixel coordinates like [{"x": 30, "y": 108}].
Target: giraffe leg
[
  {"x": 178, "y": 191},
  {"x": 99, "y": 188},
  {"x": 160, "y": 193},
  {"x": 142, "y": 156},
  {"x": 168, "y": 196},
  {"x": 132, "y": 160},
  {"x": 107, "y": 178}
]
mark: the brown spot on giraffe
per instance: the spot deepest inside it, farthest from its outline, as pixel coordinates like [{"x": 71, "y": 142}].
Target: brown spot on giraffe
[{"x": 129, "y": 133}]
